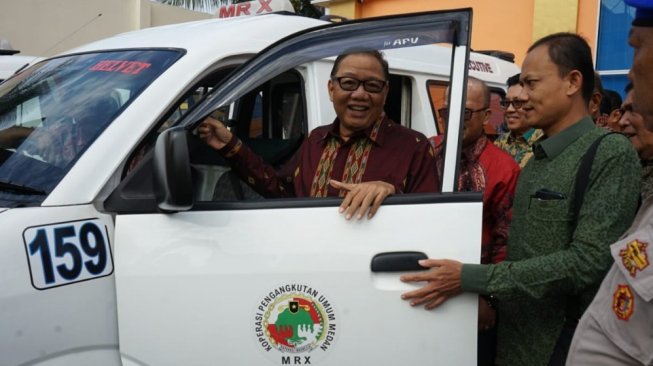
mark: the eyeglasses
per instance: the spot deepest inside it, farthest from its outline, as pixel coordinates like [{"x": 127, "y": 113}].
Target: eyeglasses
[
  {"x": 515, "y": 103},
  {"x": 444, "y": 113},
  {"x": 350, "y": 84}
]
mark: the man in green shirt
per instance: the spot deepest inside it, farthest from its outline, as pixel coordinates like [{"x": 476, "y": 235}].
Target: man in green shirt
[{"x": 554, "y": 262}]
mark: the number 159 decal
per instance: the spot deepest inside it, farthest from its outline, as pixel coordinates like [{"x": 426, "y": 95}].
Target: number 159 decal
[{"x": 65, "y": 253}]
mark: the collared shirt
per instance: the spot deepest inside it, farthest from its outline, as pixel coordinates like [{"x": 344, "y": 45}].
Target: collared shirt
[
  {"x": 386, "y": 151},
  {"x": 519, "y": 146},
  {"x": 488, "y": 169},
  {"x": 550, "y": 257}
]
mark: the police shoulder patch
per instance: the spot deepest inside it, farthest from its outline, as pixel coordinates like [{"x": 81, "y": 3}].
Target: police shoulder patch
[{"x": 634, "y": 257}]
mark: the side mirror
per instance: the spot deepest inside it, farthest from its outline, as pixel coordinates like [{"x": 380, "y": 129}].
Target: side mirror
[{"x": 173, "y": 183}]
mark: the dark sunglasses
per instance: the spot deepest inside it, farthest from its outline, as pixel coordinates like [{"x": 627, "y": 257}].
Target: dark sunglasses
[
  {"x": 515, "y": 103},
  {"x": 350, "y": 84},
  {"x": 444, "y": 113}
]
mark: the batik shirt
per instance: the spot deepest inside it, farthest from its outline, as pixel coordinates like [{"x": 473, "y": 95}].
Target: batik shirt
[
  {"x": 386, "y": 151},
  {"x": 486, "y": 168},
  {"x": 552, "y": 258},
  {"x": 519, "y": 147}
]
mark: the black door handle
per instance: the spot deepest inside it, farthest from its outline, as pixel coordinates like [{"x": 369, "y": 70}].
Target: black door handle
[{"x": 397, "y": 262}]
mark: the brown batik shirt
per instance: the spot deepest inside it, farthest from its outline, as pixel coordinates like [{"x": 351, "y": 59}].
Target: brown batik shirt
[{"x": 386, "y": 151}]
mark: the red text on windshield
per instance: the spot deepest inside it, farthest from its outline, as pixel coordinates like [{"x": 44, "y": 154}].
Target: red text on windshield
[{"x": 126, "y": 67}]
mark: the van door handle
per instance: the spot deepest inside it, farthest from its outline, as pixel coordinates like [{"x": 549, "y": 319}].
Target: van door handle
[{"x": 397, "y": 262}]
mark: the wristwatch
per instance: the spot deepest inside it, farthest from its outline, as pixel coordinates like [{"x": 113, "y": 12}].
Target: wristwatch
[{"x": 491, "y": 301}]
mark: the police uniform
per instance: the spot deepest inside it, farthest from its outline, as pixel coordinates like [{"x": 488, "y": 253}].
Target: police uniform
[{"x": 617, "y": 327}]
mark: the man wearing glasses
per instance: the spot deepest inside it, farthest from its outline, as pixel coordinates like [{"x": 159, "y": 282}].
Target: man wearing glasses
[
  {"x": 488, "y": 169},
  {"x": 362, "y": 156},
  {"x": 518, "y": 141}
]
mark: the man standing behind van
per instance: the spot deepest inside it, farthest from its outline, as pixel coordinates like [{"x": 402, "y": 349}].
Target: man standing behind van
[
  {"x": 555, "y": 261},
  {"x": 362, "y": 156},
  {"x": 518, "y": 141}
]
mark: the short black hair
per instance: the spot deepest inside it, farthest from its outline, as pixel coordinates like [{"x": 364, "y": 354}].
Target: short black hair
[
  {"x": 374, "y": 53},
  {"x": 611, "y": 101},
  {"x": 513, "y": 80},
  {"x": 569, "y": 52}
]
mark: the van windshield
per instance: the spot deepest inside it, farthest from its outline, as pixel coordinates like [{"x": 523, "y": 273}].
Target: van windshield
[{"x": 52, "y": 112}]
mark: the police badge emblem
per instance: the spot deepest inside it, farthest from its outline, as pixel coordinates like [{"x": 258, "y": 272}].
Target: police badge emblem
[
  {"x": 623, "y": 303},
  {"x": 634, "y": 257}
]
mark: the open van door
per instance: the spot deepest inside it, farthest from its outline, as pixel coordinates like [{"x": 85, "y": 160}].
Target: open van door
[{"x": 290, "y": 281}]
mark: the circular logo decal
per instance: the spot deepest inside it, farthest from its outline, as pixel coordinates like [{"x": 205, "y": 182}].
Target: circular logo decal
[{"x": 295, "y": 319}]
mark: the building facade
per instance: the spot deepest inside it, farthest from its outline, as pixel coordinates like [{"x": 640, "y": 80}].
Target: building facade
[
  {"x": 47, "y": 27},
  {"x": 507, "y": 25},
  {"x": 513, "y": 25}
]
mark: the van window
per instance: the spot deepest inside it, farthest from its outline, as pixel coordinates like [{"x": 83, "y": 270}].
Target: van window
[
  {"x": 276, "y": 110},
  {"x": 436, "y": 97},
  {"x": 436, "y": 92},
  {"x": 50, "y": 114},
  {"x": 397, "y": 106},
  {"x": 271, "y": 119},
  {"x": 180, "y": 108}
]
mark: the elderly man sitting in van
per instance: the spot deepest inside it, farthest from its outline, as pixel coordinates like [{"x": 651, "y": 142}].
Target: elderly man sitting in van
[{"x": 362, "y": 156}]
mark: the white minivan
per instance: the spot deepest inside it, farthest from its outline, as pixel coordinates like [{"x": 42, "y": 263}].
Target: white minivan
[{"x": 124, "y": 240}]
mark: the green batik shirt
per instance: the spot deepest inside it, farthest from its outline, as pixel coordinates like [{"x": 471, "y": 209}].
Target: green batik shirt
[
  {"x": 548, "y": 260},
  {"x": 519, "y": 147}
]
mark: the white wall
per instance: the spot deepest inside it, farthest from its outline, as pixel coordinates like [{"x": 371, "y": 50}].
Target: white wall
[{"x": 48, "y": 27}]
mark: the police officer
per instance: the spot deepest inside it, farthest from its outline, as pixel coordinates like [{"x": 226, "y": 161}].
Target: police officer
[{"x": 617, "y": 328}]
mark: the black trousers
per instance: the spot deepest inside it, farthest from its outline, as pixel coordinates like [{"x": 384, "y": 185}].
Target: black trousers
[{"x": 487, "y": 347}]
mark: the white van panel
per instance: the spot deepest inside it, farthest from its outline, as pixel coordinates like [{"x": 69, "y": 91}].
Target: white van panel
[
  {"x": 38, "y": 325},
  {"x": 181, "y": 277}
]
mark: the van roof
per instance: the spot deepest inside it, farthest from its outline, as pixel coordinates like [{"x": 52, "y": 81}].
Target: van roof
[
  {"x": 240, "y": 34},
  {"x": 208, "y": 40}
]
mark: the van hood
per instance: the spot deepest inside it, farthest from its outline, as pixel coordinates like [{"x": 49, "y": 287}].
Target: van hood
[{"x": 3, "y": 209}]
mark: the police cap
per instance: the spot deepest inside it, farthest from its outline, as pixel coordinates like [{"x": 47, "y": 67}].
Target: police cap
[{"x": 644, "y": 15}]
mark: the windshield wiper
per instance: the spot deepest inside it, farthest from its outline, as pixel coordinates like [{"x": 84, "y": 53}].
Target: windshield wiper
[
  {"x": 8, "y": 186},
  {"x": 21, "y": 69}
]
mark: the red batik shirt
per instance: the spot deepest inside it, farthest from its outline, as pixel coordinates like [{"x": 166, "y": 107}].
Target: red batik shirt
[
  {"x": 386, "y": 151},
  {"x": 488, "y": 169}
]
